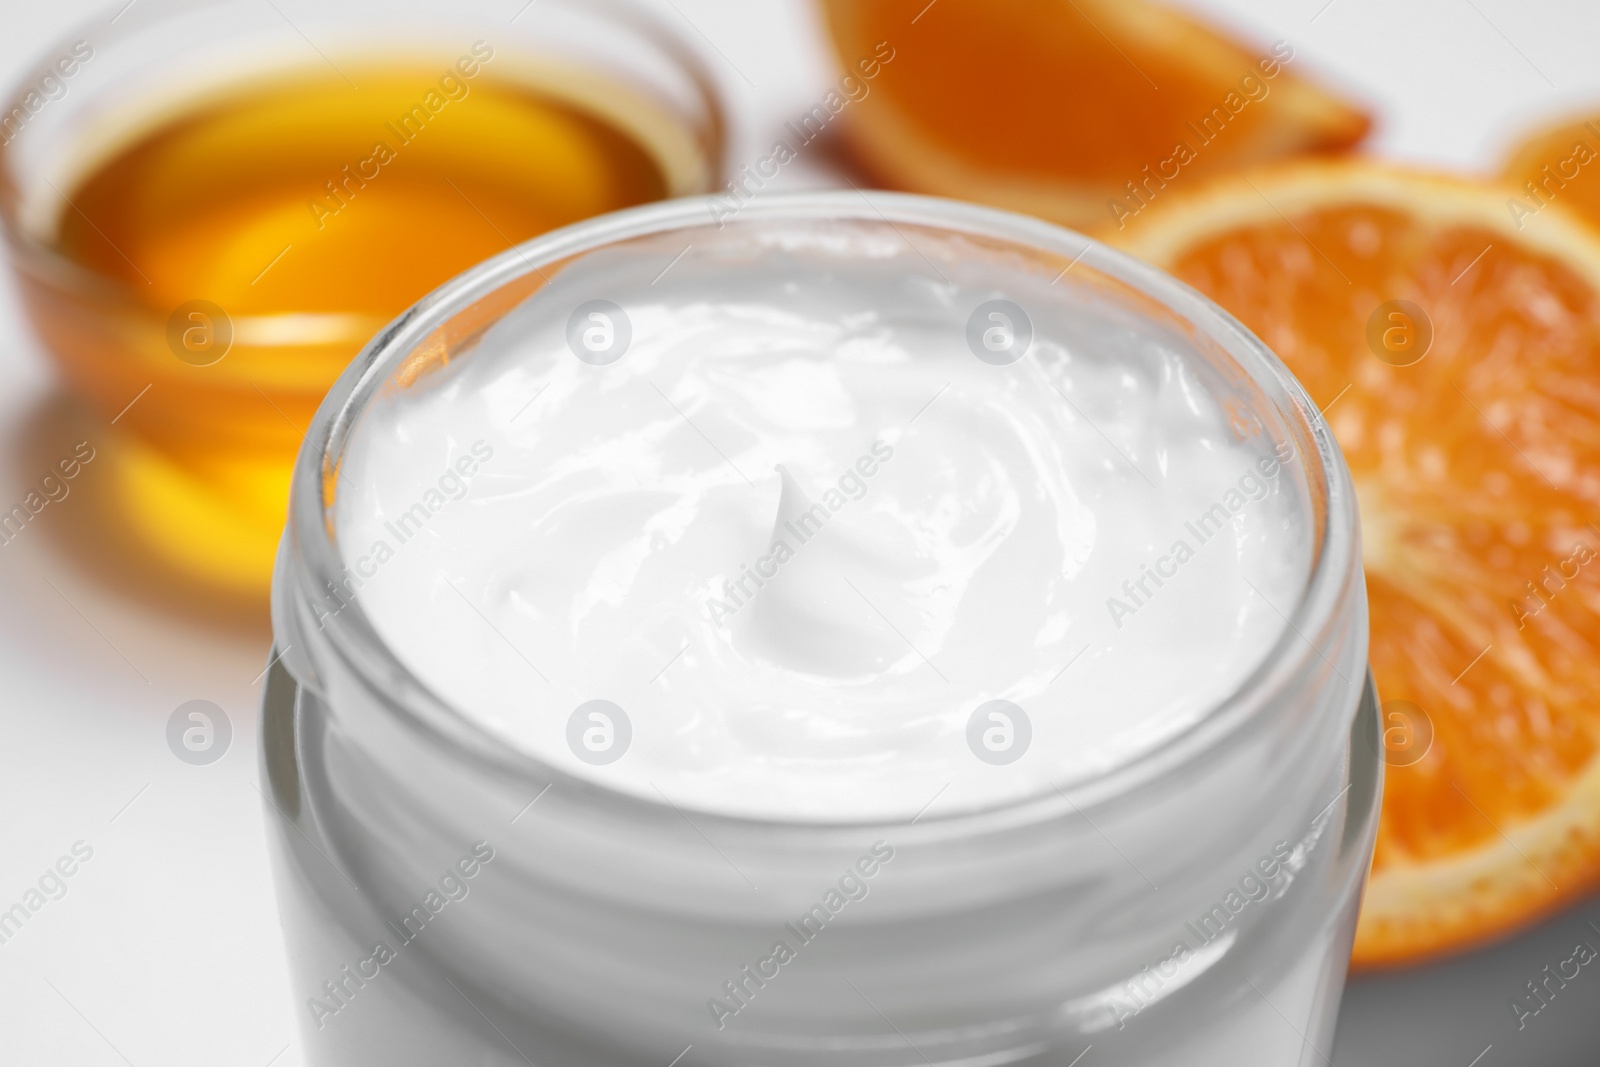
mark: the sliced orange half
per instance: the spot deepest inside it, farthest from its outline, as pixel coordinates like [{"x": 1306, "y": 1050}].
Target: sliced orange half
[
  {"x": 1079, "y": 111},
  {"x": 1559, "y": 164},
  {"x": 1457, "y": 358}
]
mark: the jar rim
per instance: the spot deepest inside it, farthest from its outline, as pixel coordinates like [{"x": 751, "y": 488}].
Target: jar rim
[{"x": 311, "y": 561}]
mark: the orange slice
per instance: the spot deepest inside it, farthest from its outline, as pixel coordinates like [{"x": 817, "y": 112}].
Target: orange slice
[
  {"x": 1470, "y": 416},
  {"x": 1078, "y": 111},
  {"x": 1560, "y": 164}
]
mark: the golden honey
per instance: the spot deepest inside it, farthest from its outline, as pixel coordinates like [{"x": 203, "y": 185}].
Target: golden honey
[{"x": 264, "y": 234}]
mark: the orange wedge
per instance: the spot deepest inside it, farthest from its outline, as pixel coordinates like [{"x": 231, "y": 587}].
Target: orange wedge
[
  {"x": 1077, "y": 111},
  {"x": 1457, "y": 357},
  {"x": 1560, "y": 164}
]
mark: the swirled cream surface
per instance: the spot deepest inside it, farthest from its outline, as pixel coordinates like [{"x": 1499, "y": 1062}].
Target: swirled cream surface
[{"x": 771, "y": 520}]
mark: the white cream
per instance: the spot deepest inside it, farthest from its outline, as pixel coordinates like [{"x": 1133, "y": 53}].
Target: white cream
[{"x": 975, "y": 532}]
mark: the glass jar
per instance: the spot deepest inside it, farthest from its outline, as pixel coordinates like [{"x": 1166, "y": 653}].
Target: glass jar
[
  {"x": 210, "y": 381},
  {"x": 450, "y": 899}
]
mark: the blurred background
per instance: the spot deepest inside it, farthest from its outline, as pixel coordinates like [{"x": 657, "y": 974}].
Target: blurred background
[{"x": 163, "y": 947}]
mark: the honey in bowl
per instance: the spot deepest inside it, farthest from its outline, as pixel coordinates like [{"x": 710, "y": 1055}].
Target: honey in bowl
[{"x": 263, "y": 233}]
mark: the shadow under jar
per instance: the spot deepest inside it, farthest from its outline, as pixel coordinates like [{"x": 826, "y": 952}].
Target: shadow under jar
[
  {"x": 555, "y": 779},
  {"x": 211, "y": 206}
]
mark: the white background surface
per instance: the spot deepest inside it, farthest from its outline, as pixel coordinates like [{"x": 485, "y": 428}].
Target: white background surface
[{"x": 166, "y": 949}]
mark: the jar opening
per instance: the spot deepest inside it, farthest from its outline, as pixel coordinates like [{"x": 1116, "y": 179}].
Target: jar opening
[{"x": 468, "y": 321}]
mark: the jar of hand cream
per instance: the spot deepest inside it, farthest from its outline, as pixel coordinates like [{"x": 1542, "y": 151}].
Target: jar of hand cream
[{"x": 865, "y": 629}]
